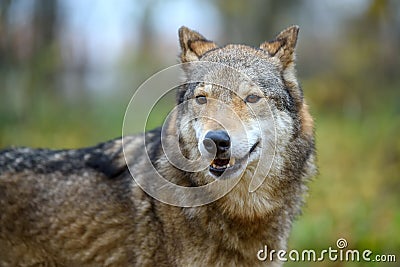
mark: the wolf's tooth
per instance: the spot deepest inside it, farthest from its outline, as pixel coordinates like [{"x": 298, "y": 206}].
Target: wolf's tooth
[{"x": 231, "y": 161}]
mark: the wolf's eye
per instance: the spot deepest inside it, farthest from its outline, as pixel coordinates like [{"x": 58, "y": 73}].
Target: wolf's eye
[
  {"x": 252, "y": 99},
  {"x": 201, "y": 99}
]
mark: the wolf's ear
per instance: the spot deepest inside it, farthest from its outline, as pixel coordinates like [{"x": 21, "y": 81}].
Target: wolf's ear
[
  {"x": 193, "y": 44},
  {"x": 283, "y": 47}
]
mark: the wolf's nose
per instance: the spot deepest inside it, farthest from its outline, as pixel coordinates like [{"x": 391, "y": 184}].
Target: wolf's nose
[{"x": 221, "y": 140}]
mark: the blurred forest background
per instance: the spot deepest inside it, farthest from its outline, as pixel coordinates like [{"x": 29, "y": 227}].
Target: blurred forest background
[{"x": 68, "y": 69}]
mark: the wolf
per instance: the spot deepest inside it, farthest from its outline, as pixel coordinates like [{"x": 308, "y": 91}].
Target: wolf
[{"x": 81, "y": 207}]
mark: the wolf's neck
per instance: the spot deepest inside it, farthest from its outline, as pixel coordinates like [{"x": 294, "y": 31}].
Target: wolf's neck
[{"x": 246, "y": 235}]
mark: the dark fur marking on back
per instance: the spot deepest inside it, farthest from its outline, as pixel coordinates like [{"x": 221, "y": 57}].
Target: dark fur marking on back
[
  {"x": 103, "y": 163},
  {"x": 44, "y": 161}
]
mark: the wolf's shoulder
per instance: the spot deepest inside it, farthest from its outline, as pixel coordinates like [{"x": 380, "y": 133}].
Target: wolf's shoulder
[{"x": 107, "y": 158}]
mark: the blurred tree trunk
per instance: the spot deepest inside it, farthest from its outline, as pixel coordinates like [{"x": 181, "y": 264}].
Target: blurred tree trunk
[
  {"x": 29, "y": 51},
  {"x": 44, "y": 63},
  {"x": 255, "y": 21}
]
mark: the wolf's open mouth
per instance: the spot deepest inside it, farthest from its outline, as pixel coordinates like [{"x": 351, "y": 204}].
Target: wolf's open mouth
[{"x": 218, "y": 166}]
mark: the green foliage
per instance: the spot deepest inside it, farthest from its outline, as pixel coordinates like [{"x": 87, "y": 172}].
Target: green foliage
[{"x": 355, "y": 196}]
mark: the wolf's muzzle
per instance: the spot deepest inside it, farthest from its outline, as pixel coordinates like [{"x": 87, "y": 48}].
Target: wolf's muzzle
[{"x": 218, "y": 143}]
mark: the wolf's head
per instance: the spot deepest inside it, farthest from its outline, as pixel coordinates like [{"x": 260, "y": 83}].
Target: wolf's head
[
  {"x": 243, "y": 108},
  {"x": 241, "y": 105}
]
